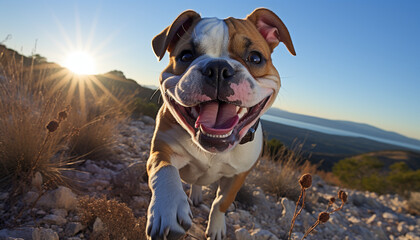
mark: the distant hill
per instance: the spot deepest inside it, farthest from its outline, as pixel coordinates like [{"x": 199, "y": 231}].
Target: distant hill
[
  {"x": 325, "y": 148},
  {"x": 349, "y": 126},
  {"x": 117, "y": 83}
]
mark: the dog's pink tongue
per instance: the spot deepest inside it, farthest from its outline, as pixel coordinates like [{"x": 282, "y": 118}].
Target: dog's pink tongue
[{"x": 217, "y": 118}]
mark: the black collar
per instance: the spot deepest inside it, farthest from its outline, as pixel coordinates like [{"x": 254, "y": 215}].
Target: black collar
[{"x": 249, "y": 136}]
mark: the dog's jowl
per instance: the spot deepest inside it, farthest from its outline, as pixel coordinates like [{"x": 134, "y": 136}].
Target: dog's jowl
[{"x": 219, "y": 81}]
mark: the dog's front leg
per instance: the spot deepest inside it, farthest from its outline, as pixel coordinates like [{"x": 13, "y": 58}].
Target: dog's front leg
[
  {"x": 226, "y": 193},
  {"x": 169, "y": 213}
]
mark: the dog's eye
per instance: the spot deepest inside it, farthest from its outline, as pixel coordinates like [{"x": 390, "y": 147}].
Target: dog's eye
[
  {"x": 254, "y": 57},
  {"x": 186, "y": 56}
]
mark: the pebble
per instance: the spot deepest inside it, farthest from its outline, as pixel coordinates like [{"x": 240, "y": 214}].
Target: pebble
[
  {"x": 60, "y": 212},
  {"x": 148, "y": 120},
  {"x": 412, "y": 236},
  {"x": 371, "y": 219},
  {"x": 242, "y": 234},
  {"x": 73, "y": 228},
  {"x": 23, "y": 233},
  {"x": 260, "y": 234},
  {"x": 37, "y": 181},
  {"x": 98, "y": 226},
  {"x": 93, "y": 168},
  {"x": 287, "y": 213},
  {"x": 139, "y": 202},
  {"x": 44, "y": 234},
  {"x": 234, "y": 216},
  {"x": 54, "y": 219},
  {"x": 389, "y": 216},
  {"x": 62, "y": 197}
]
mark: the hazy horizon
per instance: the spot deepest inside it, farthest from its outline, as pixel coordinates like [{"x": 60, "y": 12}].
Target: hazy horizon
[{"x": 356, "y": 61}]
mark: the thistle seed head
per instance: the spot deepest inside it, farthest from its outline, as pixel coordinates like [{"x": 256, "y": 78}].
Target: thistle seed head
[
  {"x": 62, "y": 115},
  {"x": 342, "y": 196},
  {"x": 52, "y": 126},
  {"x": 305, "y": 181},
  {"x": 332, "y": 200},
  {"x": 323, "y": 217}
]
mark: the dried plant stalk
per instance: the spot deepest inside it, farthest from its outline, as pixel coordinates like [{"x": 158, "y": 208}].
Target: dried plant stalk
[{"x": 305, "y": 182}]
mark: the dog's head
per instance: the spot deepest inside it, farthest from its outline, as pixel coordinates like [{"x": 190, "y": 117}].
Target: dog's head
[{"x": 220, "y": 78}]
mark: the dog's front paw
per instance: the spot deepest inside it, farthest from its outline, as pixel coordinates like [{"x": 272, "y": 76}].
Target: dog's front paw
[
  {"x": 169, "y": 213},
  {"x": 168, "y": 220},
  {"x": 196, "y": 195},
  {"x": 216, "y": 228}
]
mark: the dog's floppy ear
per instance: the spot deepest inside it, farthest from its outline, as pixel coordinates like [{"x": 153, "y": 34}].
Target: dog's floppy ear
[
  {"x": 170, "y": 35},
  {"x": 271, "y": 28}
]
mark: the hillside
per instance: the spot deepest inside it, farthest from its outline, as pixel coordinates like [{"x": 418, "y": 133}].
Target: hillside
[
  {"x": 117, "y": 83},
  {"x": 329, "y": 148},
  {"x": 56, "y": 75}
]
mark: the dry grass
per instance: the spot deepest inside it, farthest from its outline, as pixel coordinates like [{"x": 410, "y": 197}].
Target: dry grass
[
  {"x": 97, "y": 129},
  {"x": 118, "y": 219},
  {"x": 329, "y": 178},
  {"x": 26, "y": 145},
  {"x": 277, "y": 174},
  {"x": 32, "y": 94},
  {"x": 414, "y": 203}
]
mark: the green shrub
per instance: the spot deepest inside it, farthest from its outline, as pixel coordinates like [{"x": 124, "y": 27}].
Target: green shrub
[
  {"x": 356, "y": 172},
  {"x": 368, "y": 173},
  {"x": 142, "y": 107},
  {"x": 402, "y": 179},
  {"x": 273, "y": 147},
  {"x": 374, "y": 183}
]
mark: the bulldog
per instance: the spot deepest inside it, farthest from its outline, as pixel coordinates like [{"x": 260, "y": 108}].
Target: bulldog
[{"x": 219, "y": 81}]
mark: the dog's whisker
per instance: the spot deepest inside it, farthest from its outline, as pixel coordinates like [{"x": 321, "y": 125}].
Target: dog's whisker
[{"x": 154, "y": 93}]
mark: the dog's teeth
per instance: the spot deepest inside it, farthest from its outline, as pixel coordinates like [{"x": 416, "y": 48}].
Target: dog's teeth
[
  {"x": 242, "y": 112},
  {"x": 215, "y": 135}
]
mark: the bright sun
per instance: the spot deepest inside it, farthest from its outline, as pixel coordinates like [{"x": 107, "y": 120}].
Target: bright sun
[{"x": 80, "y": 63}]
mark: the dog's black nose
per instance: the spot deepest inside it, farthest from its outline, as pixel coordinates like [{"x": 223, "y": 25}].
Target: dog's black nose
[{"x": 217, "y": 71}]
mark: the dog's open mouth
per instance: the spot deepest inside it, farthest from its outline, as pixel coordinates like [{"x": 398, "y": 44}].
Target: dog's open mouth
[{"x": 217, "y": 124}]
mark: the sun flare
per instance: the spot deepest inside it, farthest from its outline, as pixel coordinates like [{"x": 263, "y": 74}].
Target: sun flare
[{"x": 80, "y": 63}]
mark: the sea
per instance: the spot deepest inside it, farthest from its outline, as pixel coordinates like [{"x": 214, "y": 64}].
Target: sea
[{"x": 333, "y": 131}]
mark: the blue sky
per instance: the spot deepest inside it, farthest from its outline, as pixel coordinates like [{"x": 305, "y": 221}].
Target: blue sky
[{"x": 356, "y": 60}]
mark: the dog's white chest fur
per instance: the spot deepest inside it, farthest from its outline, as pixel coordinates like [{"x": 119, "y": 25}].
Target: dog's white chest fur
[{"x": 202, "y": 168}]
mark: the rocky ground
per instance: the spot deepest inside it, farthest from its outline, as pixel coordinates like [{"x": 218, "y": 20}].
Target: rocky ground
[{"x": 55, "y": 214}]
